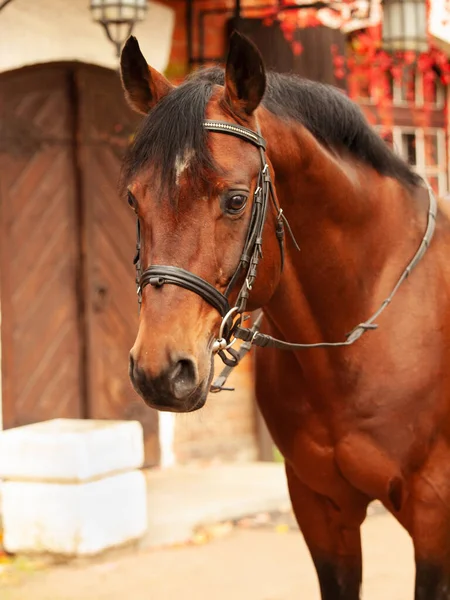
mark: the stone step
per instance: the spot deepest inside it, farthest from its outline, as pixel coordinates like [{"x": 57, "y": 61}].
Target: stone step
[
  {"x": 70, "y": 450},
  {"x": 72, "y": 487},
  {"x": 80, "y": 519}
]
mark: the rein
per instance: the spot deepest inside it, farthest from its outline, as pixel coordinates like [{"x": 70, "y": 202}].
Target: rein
[{"x": 232, "y": 317}]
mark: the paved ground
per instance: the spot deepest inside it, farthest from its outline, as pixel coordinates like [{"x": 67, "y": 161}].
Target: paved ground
[
  {"x": 247, "y": 562},
  {"x": 209, "y": 495}
]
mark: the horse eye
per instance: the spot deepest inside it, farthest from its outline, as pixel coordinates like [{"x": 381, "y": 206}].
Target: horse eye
[
  {"x": 131, "y": 200},
  {"x": 235, "y": 203}
]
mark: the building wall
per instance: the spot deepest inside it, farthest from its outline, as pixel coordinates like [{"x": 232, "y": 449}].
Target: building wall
[
  {"x": 50, "y": 30},
  {"x": 215, "y": 38},
  {"x": 225, "y": 429}
]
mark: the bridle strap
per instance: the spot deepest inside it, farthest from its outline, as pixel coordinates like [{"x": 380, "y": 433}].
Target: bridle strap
[
  {"x": 159, "y": 275},
  {"x": 252, "y": 337},
  {"x": 267, "y": 341},
  {"x": 252, "y": 251},
  {"x": 237, "y": 131}
]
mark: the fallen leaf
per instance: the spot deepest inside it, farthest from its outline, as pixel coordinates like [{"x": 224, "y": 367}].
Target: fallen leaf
[
  {"x": 200, "y": 538},
  {"x": 282, "y": 528}
]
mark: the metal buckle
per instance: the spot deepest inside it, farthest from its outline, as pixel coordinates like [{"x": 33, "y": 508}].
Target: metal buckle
[{"x": 222, "y": 343}]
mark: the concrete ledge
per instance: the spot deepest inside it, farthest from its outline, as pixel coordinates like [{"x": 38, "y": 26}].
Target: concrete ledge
[
  {"x": 70, "y": 450},
  {"x": 181, "y": 499},
  {"x": 78, "y": 519}
]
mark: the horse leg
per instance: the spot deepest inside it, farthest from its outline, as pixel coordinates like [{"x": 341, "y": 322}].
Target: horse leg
[
  {"x": 332, "y": 535},
  {"x": 426, "y": 516}
]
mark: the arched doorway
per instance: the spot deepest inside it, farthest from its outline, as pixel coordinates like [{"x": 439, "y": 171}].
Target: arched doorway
[{"x": 68, "y": 300}]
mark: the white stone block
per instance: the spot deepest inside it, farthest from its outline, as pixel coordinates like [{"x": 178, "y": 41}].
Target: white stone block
[
  {"x": 78, "y": 519},
  {"x": 70, "y": 450}
]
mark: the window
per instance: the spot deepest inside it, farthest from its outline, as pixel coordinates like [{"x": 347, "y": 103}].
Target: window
[
  {"x": 408, "y": 147},
  {"x": 423, "y": 149},
  {"x": 406, "y": 89},
  {"x": 411, "y": 89},
  {"x": 414, "y": 88}
]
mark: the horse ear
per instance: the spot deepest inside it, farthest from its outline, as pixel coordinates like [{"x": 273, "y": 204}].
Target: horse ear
[
  {"x": 245, "y": 76},
  {"x": 144, "y": 87}
]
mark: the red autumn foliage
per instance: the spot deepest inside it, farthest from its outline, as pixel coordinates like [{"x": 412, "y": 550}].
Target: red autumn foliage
[
  {"x": 371, "y": 73},
  {"x": 366, "y": 64}
]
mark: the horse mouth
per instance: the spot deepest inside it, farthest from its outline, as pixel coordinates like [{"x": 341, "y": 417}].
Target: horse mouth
[
  {"x": 178, "y": 391},
  {"x": 195, "y": 401},
  {"x": 162, "y": 398}
]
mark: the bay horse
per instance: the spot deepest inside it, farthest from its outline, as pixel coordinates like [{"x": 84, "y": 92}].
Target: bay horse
[{"x": 228, "y": 171}]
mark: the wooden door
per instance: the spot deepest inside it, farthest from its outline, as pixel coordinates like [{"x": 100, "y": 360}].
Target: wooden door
[
  {"x": 68, "y": 299},
  {"x": 106, "y": 126},
  {"x": 314, "y": 62},
  {"x": 41, "y": 343}
]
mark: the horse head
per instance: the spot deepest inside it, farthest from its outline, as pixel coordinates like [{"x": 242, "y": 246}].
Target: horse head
[{"x": 194, "y": 191}]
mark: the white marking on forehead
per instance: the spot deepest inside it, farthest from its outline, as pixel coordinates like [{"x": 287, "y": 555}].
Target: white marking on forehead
[{"x": 182, "y": 163}]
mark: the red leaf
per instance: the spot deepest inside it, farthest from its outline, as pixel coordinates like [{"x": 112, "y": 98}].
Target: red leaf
[
  {"x": 287, "y": 26},
  {"x": 339, "y": 61},
  {"x": 297, "y": 48},
  {"x": 424, "y": 62},
  {"x": 396, "y": 72},
  {"x": 409, "y": 57}
]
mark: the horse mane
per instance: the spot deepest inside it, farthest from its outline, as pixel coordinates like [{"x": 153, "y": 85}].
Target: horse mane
[{"x": 175, "y": 126}]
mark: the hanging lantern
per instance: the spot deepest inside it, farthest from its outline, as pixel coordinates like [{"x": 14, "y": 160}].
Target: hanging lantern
[
  {"x": 405, "y": 26},
  {"x": 118, "y": 18}
]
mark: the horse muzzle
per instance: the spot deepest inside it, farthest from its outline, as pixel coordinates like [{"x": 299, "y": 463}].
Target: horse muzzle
[{"x": 177, "y": 388}]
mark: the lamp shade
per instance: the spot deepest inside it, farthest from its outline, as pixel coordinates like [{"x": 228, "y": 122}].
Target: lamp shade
[
  {"x": 118, "y": 11},
  {"x": 405, "y": 25},
  {"x": 118, "y": 18}
]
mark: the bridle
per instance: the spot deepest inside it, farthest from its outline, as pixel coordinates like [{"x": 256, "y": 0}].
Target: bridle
[
  {"x": 159, "y": 275},
  {"x": 230, "y": 328}
]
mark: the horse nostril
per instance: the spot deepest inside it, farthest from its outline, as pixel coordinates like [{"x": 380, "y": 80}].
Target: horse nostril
[
  {"x": 131, "y": 364},
  {"x": 183, "y": 378}
]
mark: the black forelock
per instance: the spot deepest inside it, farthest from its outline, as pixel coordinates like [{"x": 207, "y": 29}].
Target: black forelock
[{"x": 172, "y": 128}]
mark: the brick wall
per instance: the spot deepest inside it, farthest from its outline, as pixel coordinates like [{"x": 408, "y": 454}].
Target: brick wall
[{"x": 225, "y": 429}]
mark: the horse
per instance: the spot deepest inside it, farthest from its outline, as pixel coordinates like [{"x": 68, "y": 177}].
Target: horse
[{"x": 255, "y": 191}]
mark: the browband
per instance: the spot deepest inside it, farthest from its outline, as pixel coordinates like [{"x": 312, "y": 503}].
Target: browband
[{"x": 237, "y": 130}]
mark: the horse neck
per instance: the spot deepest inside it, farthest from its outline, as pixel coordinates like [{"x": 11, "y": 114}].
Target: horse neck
[{"x": 357, "y": 230}]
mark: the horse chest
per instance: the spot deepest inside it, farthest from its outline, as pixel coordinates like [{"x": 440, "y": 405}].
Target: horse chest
[
  {"x": 307, "y": 445},
  {"x": 314, "y": 463}
]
